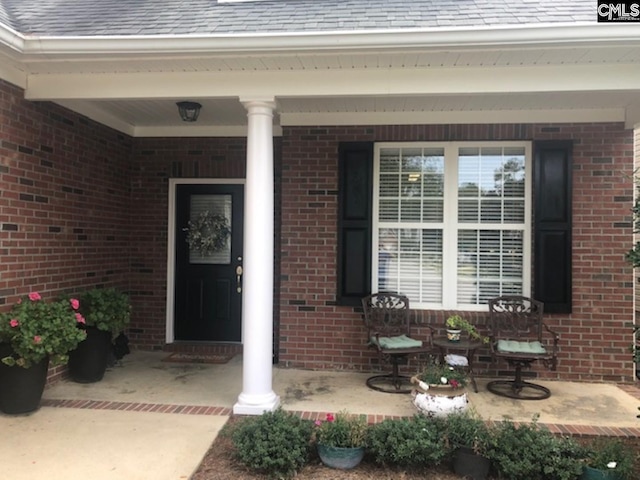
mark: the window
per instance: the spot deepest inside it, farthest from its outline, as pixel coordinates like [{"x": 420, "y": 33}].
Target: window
[{"x": 451, "y": 222}]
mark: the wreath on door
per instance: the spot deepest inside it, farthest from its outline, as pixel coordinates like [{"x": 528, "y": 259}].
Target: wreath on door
[{"x": 208, "y": 233}]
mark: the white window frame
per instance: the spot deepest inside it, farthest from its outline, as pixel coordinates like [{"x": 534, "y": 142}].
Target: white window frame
[{"x": 451, "y": 226}]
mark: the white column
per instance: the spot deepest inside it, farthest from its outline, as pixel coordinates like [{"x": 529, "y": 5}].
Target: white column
[{"x": 257, "y": 297}]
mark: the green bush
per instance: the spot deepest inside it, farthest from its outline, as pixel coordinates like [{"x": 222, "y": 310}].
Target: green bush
[
  {"x": 529, "y": 452},
  {"x": 275, "y": 443},
  {"x": 415, "y": 442},
  {"x": 467, "y": 430}
]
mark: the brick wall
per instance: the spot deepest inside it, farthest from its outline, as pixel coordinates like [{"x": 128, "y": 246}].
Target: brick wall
[
  {"x": 316, "y": 333},
  {"x": 64, "y": 218}
]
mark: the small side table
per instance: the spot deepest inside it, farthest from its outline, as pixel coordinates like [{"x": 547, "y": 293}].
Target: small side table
[{"x": 469, "y": 348}]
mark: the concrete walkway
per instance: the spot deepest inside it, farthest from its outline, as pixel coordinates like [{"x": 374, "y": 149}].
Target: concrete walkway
[{"x": 150, "y": 419}]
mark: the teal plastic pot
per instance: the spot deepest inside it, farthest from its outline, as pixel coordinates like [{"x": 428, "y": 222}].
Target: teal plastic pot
[
  {"x": 589, "y": 473},
  {"x": 342, "y": 458}
]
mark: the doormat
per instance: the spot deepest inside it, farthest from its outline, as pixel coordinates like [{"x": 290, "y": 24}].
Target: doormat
[{"x": 182, "y": 357}]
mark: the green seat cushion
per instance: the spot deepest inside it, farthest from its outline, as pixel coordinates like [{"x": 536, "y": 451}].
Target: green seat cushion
[
  {"x": 401, "y": 341},
  {"x": 513, "y": 346}
]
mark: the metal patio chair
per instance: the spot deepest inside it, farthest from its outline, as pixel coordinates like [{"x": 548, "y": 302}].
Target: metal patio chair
[
  {"x": 519, "y": 336},
  {"x": 386, "y": 316}
]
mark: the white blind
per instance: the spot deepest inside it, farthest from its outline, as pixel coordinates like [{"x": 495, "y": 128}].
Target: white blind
[
  {"x": 217, "y": 204},
  {"x": 451, "y": 222},
  {"x": 411, "y": 192}
]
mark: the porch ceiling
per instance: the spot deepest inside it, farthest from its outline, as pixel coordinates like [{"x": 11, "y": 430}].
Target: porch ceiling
[{"x": 226, "y": 116}]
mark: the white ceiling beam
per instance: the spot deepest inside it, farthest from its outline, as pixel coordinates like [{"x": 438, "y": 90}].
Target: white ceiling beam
[
  {"x": 385, "y": 81},
  {"x": 459, "y": 117},
  {"x": 632, "y": 118},
  {"x": 198, "y": 131}
]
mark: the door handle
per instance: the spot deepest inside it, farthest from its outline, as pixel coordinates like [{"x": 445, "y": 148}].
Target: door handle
[{"x": 239, "y": 279}]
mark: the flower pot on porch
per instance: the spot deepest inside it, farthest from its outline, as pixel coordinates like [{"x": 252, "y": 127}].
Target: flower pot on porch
[
  {"x": 440, "y": 400},
  {"x": 340, "y": 457},
  {"x": 88, "y": 362},
  {"x": 469, "y": 464},
  {"x": 453, "y": 335},
  {"x": 21, "y": 388}
]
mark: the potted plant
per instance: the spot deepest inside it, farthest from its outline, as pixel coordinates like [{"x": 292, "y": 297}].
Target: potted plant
[
  {"x": 468, "y": 438},
  {"x": 456, "y": 325},
  {"x": 608, "y": 459},
  {"x": 341, "y": 439},
  {"x": 440, "y": 376},
  {"x": 439, "y": 390},
  {"x": 33, "y": 334},
  {"x": 107, "y": 313}
]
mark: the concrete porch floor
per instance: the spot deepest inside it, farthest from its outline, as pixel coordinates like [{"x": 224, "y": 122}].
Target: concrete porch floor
[{"x": 153, "y": 419}]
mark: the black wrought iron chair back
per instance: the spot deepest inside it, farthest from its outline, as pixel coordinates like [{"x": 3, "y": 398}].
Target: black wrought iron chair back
[
  {"x": 520, "y": 336},
  {"x": 386, "y": 316}
]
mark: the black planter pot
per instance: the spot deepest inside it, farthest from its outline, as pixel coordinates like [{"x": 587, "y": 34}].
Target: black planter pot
[
  {"x": 21, "y": 388},
  {"x": 469, "y": 464},
  {"x": 88, "y": 362}
]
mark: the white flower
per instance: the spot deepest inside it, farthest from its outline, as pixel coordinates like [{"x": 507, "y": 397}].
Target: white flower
[
  {"x": 612, "y": 464},
  {"x": 443, "y": 380}
]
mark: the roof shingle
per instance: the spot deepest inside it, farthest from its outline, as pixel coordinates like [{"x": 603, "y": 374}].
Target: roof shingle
[{"x": 208, "y": 17}]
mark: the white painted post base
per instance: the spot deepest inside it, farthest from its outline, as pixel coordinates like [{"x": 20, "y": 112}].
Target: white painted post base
[{"x": 256, "y": 404}]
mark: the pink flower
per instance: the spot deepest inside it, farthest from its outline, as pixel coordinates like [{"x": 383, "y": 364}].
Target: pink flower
[
  {"x": 37, "y": 339},
  {"x": 454, "y": 383},
  {"x": 33, "y": 296},
  {"x": 14, "y": 323},
  {"x": 330, "y": 418},
  {"x": 317, "y": 423},
  {"x": 74, "y": 303},
  {"x": 80, "y": 318}
]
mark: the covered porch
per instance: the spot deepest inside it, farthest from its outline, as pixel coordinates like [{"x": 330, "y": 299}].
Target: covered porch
[{"x": 93, "y": 133}]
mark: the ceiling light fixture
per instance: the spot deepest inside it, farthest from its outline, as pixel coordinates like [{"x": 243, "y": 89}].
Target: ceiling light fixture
[{"x": 189, "y": 111}]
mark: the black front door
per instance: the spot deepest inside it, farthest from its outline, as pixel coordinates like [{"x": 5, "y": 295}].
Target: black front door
[{"x": 208, "y": 282}]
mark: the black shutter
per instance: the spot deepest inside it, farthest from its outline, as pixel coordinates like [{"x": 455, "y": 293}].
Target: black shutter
[
  {"x": 354, "y": 221},
  {"x": 552, "y": 226}
]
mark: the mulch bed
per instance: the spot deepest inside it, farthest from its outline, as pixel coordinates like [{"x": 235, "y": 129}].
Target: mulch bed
[{"x": 219, "y": 464}]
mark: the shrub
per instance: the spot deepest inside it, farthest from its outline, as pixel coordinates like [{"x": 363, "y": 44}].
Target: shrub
[
  {"x": 465, "y": 429},
  {"x": 415, "y": 442},
  {"x": 528, "y": 452},
  {"x": 275, "y": 443}
]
